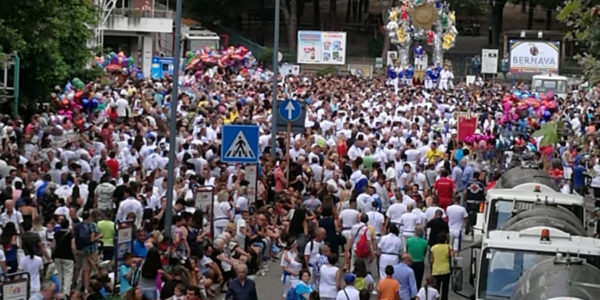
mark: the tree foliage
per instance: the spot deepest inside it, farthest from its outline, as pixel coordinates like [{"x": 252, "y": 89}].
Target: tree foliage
[
  {"x": 50, "y": 38},
  {"x": 583, "y": 18}
]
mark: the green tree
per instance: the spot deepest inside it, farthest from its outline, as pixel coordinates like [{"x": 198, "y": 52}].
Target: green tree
[
  {"x": 583, "y": 18},
  {"x": 50, "y": 37}
]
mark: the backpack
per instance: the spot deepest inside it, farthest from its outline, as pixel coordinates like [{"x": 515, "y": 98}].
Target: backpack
[
  {"x": 83, "y": 236},
  {"x": 363, "y": 249},
  {"x": 291, "y": 294}
]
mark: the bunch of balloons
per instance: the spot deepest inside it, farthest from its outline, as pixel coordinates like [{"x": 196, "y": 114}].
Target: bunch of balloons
[
  {"x": 480, "y": 141},
  {"x": 115, "y": 62},
  {"x": 234, "y": 57},
  {"x": 521, "y": 104}
]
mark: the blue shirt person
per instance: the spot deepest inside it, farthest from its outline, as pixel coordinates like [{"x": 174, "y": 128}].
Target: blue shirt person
[
  {"x": 406, "y": 278},
  {"x": 125, "y": 273},
  {"x": 241, "y": 288}
]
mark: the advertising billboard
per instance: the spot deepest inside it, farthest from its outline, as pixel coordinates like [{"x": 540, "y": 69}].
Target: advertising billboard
[
  {"x": 534, "y": 56},
  {"x": 321, "y": 47}
]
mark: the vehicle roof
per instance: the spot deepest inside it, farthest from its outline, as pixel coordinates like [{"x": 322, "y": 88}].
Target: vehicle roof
[
  {"x": 548, "y": 76},
  {"x": 546, "y": 194},
  {"x": 529, "y": 240},
  {"x": 520, "y": 175}
]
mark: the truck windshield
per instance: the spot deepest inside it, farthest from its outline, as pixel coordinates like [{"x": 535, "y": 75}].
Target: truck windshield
[
  {"x": 558, "y": 86},
  {"x": 501, "y": 269},
  {"x": 501, "y": 210},
  {"x": 196, "y": 43}
]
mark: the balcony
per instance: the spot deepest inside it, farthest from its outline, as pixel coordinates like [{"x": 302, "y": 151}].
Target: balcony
[{"x": 139, "y": 20}]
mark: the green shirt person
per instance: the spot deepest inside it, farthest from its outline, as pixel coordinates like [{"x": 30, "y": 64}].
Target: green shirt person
[{"x": 416, "y": 246}]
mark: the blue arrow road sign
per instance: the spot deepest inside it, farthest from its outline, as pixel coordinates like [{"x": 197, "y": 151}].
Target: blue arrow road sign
[
  {"x": 240, "y": 144},
  {"x": 290, "y": 110}
]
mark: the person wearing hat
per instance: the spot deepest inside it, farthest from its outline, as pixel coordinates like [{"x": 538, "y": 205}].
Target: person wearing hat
[{"x": 349, "y": 292}]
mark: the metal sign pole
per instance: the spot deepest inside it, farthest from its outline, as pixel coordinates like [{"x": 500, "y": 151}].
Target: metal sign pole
[
  {"x": 275, "y": 73},
  {"x": 16, "y": 85},
  {"x": 173, "y": 123},
  {"x": 287, "y": 145}
]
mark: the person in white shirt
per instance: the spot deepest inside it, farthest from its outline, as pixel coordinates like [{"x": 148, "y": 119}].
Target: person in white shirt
[
  {"x": 376, "y": 220},
  {"x": 408, "y": 222},
  {"x": 349, "y": 218},
  {"x": 349, "y": 292},
  {"x": 329, "y": 282},
  {"x": 365, "y": 200},
  {"x": 32, "y": 264},
  {"x": 357, "y": 231},
  {"x": 222, "y": 212},
  {"x": 129, "y": 206},
  {"x": 431, "y": 209},
  {"x": 394, "y": 213},
  {"x": 311, "y": 250},
  {"x": 390, "y": 248},
  {"x": 457, "y": 217},
  {"x": 11, "y": 216}
]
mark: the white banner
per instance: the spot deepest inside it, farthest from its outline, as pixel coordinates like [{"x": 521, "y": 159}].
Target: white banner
[
  {"x": 251, "y": 176},
  {"x": 534, "y": 56},
  {"x": 489, "y": 61},
  {"x": 321, "y": 47}
]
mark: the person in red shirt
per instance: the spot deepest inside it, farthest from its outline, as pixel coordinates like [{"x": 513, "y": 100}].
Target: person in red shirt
[
  {"x": 113, "y": 165},
  {"x": 444, "y": 189},
  {"x": 280, "y": 180}
]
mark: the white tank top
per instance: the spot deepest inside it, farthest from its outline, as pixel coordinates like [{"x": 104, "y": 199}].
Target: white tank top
[{"x": 327, "y": 288}]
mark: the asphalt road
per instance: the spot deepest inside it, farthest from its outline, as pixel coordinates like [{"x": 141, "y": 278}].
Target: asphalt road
[{"x": 269, "y": 287}]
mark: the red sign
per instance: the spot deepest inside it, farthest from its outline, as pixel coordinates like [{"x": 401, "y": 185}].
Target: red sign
[{"x": 466, "y": 127}]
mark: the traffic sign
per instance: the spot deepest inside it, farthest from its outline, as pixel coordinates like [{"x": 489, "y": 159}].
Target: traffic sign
[
  {"x": 290, "y": 110},
  {"x": 297, "y": 124},
  {"x": 240, "y": 143}
]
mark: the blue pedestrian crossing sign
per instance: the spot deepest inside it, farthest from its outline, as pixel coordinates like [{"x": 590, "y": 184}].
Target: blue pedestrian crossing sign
[
  {"x": 239, "y": 143},
  {"x": 290, "y": 110}
]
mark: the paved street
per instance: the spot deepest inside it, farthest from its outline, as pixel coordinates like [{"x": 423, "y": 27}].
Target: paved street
[{"x": 270, "y": 288}]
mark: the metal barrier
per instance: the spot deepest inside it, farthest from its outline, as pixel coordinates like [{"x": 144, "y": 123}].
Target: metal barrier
[{"x": 16, "y": 286}]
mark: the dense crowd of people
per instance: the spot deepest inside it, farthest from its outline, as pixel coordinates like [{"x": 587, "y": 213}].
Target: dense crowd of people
[{"x": 375, "y": 195}]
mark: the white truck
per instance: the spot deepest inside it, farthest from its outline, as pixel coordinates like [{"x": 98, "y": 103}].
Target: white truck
[
  {"x": 524, "y": 222},
  {"x": 506, "y": 256},
  {"x": 521, "y": 189},
  {"x": 192, "y": 37},
  {"x": 547, "y": 82}
]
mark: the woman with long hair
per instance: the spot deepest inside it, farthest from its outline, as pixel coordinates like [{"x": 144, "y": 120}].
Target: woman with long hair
[
  {"x": 9, "y": 244},
  {"x": 428, "y": 291},
  {"x": 31, "y": 264},
  {"x": 27, "y": 209},
  {"x": 151, "y": 269}
]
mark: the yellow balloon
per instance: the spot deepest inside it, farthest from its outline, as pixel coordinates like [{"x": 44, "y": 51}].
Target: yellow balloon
[
  {"x": 400, "y": 35},
  {"x": 451, "y": 17},
  {"x": 394, "y": 15}
]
